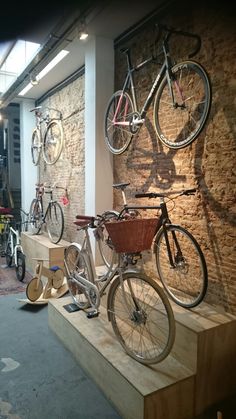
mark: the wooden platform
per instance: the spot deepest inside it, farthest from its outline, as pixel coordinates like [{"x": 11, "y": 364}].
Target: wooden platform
[
  {"x": 200, "y": 370},
  {"x": 39, "y": 246}
]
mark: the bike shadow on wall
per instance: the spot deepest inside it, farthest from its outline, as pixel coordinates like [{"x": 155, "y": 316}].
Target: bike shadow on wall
[{"x": 147, "y": 162}]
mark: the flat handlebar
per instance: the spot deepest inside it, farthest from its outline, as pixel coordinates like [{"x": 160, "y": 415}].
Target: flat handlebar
[{"x": 161, "y": 195}]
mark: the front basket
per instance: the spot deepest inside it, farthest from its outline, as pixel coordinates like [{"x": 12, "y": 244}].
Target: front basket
[{"x": 132, "y": 236}]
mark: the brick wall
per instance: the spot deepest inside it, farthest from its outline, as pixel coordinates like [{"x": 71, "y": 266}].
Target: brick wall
[
  {"x": 209, "y": 163},
  {"x": 68, "y": 171}
]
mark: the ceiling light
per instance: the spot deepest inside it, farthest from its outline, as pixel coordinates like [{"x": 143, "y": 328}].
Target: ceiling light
[
  {"x": 83, "y": 35},
  {"x": 35, "y": 79}
]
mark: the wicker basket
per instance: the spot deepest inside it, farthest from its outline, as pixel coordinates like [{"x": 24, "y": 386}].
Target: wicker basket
[{"x": 132, "y": 236}]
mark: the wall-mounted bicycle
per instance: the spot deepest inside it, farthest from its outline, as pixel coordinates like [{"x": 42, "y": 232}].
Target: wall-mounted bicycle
[
  {"x": 47, "y": 136},
  {"x": 181, "y": 94}
]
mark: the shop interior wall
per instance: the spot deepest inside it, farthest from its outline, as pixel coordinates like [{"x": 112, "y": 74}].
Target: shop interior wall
[
  {"x": 209, "y": 163},
  {"x": 68, "y": 171}
]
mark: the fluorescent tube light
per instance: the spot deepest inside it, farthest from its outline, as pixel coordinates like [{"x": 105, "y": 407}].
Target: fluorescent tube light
[{"x": 45, "y": 70}]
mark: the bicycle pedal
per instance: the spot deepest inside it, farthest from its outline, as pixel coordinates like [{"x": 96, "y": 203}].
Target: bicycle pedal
[{"x": 92, "y": 314}]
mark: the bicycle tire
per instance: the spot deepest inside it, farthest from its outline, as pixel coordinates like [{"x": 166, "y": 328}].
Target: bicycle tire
[
  {"x": 54, "y": 222},
  {"x": 8, "y": 255},
  {"x": 76, "y": 265},
  {"x": 36, "y": 146},
  {"x": 20, "y": 266},
  {"x": 185, "y": 283},
  {"x": 178, "y": 127},
  {"x": 53, "y": 142},
  {"x": 34, "y": 289},
  {"x": 147, "y": 334},
  {"x": 35, "y": 216},
  {"x": 117, "y": 138},
  {"x": 107, "y": 253}
]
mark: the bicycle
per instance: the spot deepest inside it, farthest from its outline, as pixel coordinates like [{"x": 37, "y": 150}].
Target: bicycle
[
  {"x": 179, "y": 259},
  {"x": 137, "y": 307},
  {"x": 49, "y": 140},
  {"x": 181, "y": 93},
  {"x": 52, "y": 217},
  {"x": 13, "y": 252},
  {"x": 55, "y": 286}
]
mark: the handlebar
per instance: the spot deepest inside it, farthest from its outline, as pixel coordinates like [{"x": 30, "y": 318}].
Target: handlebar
[
  {"x": 150, "y": 195},
  {"x": 170, "y": 31}
]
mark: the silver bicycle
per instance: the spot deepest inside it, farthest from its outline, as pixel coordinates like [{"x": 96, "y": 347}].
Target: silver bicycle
[{"x": 137, "y": 307}]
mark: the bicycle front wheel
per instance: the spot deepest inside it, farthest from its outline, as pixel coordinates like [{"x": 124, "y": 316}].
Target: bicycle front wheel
[
  {"x": 117, "y": 122},
  {"x": 185, "y": 279},
  {"x": 34, "y": 289},
  {"x": 53, "y": 142},
  {"x": 76, "y": 267},
  {"x": 141, "y": 317},
  {"x": 35, "y": 216},
  {"x": 54, "y": 222},
  {"x": 36, "y": 146},
  {"x": 179, "y": 121}
]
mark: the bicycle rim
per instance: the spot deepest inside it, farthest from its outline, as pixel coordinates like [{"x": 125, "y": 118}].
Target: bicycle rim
[
  {"x": 35, "y": 147},
  {"x": 34, "y": 289},
  {"x": 186, "y": 281},
  {"x": 145, "y": 328},
  {"x": 20, "y": 266},
  {"x": 35, "y": 216},
  {"x": 76, "y": 266},
  {"x": 118, "y": 137},
  {"x": 54, "y": 222},
  {"x": 53, "y": 142},
  {"x": 178, "y": 126}
]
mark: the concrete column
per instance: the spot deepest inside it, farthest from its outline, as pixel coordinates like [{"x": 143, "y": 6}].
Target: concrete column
[
  {"x": 28, "y": 170},
  {"x": 99, "y": 86}
]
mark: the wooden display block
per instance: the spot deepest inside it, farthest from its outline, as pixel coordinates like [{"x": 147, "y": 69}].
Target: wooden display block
[
  {"x": 200, "y": 371},
  {"x": 39, "y": 246}
]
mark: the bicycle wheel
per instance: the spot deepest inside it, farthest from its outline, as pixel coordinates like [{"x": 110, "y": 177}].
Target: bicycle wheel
[
  {"x": 105, "y": 247},
  {"x": 36, "y": 146},
  {"x": 118, "y": 136},
  {"x": 76, "y": 267},
  {"x": 178, "y": 125},
  {"x": 34, "y": 289},
  {"x": 20, "y": 266},
  {"x": 8, "y": 255},
  {"x": 35, "y": 216},
  {"x": 54, "y": 222},
  {"x": 141, "y": 317},
  {"x": 186, "y": 280},
  {"x": 53, "y": 142}
]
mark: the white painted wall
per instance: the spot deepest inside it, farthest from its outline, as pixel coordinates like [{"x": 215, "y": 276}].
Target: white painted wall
[
  {"x": 28, "y": 170},
  {"x": 99, "y": 86}
]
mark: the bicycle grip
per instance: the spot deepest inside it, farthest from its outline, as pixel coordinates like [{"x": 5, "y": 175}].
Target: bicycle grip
[{"x": 189, "y": 191}]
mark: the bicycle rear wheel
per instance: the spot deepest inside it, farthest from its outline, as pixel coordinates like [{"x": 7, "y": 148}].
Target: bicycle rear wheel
[
  {"x": 35, "y": 216},
  {"x": 54, "y": 222},
  {"x": 36, "y": 146},
  {"x": 53, "y": 142},
  {"x": 105, "y": 247},
  {"x": 8, "y": 255},
  {"x": 76, "y": 267},
  {"x": 186, "y": 280},
  {"x": 141, "y": 317},
  {"x": 177, "y": 125},
  {"x": 120, "y": 109},
  {"x": 20, "y": 266}
]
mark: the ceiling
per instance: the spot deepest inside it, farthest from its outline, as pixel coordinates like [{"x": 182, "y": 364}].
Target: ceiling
[{"x": 58, "y": 29}]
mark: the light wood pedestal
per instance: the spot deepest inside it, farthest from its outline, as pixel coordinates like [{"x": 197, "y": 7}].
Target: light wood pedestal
[
  {"x": 200, "y": 370},
  {"x": 39, "y": 246}
]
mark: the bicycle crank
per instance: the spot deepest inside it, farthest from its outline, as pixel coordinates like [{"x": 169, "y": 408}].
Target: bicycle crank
[
  {"x": 135, "y": 122},
  {"x": 90, "y": 290}
]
